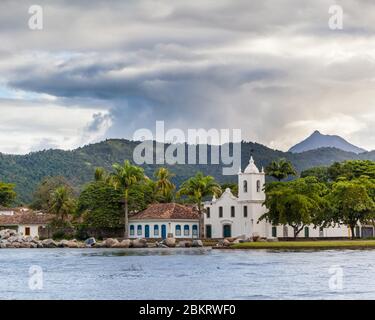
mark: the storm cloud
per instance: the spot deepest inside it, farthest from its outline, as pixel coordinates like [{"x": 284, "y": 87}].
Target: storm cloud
[{"x": 271, "y": 68}]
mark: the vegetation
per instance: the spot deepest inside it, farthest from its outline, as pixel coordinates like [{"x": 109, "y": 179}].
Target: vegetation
[
  {"x": 100, "y": 205},
  {"x": 280, "y": 169},
  {"x": 196, "y": 189},
  {"x": 62, "y": 203},
  {"x": 164, "y": 188},
  {"x": 296, "y": 203},
  {"x": 78, "y": 166},
  {"x": 343, "y": 193},
  {"x": 43, "y": 194},
  {"x": 350, "y": 204},
  {"x": 124, "y": 178},
  {"x": 7, "y": 194}
]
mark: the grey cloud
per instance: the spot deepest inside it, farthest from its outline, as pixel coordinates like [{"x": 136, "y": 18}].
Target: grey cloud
[{"x": 268, "y": 67}]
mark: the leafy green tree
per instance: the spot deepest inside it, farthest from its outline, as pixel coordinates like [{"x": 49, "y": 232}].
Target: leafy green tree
[
  {"x": 321, "y": 173},
  {"x": 124, "y": 178},
  {"x": 163, "y": 185},
  {"x": 196, "y": 189},
  {"x": 296, "y": 203},
  {"x": 42, "y": 194},
  {"x": 350, "y": 204},
  {"x": 100, "y": 174},
  {"x": 280, "y": 169},
  {"x": 62, "y": 203},
  {"x": 100, "y": 205},
  {"x": 7, "y": 194},
  {"x": 352, "y": 169}
]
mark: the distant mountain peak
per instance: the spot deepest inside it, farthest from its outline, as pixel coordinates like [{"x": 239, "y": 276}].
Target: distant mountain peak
[{"x": 318, "y": 140}]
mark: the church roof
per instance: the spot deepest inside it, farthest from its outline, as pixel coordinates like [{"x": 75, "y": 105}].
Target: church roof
[
  {"x": 167, "y": 211},
  {"x": 251, "y": 167}
]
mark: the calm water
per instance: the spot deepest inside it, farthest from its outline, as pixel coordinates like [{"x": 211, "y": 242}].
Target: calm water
[{"x": 185, "y": 274}]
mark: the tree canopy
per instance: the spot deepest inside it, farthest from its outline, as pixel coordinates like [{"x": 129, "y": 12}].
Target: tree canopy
[
  {"x": 7, "y": 194},
  {"x": 280, "y": 169}
]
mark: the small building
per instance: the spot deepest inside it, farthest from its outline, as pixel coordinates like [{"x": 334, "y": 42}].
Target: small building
[
  {"x": 162, "y": 220},
  {"x": 24, "y": 221}
]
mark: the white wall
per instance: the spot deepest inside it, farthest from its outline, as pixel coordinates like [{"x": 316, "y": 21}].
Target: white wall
[
  {"x": 170, "y": 227},
  {"x": 33, "y": 230},
  {"x": 337, "y": 231}
]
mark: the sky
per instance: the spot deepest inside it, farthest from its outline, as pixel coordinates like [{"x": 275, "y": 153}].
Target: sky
[{"x": 104, "y": 69}]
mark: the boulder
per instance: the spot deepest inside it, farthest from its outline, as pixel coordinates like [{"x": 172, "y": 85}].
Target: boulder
[
  {"x": 90, "y": 241},
  {"x": 139, "y": 243},
  {"x": 170, "y": 242},
  {"x": 72, "y": 244},
  {"x": 28, "y": 239},
  {"x": 255, "y": 236},
  {"x": 123, "y": 244},
  {"x": 226, "y": 243},
  {"x": 197, "y": 243},
  {"x": 63, "y": 244},
  {"x": 49, "y": 243},
  {"x": 99, "y": 245},
  {"x": 185, "y": 244},
  {"x": 110, "y": 242}
]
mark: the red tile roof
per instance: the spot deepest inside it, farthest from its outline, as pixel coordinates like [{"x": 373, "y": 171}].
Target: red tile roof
[
  {"x": 168, "y": 211},
  {"x": 25, "y": 218}
]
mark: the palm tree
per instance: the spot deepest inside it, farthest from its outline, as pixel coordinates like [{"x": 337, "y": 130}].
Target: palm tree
[
  {"x": 280, "y": 169},
  {"x": 196, "y": 189},
  {"x": 164, "y": 186},
  {"x": 62, "y": 202},
  {"x": 100, "y": 175},
  {"x": 124, "y": 178}
]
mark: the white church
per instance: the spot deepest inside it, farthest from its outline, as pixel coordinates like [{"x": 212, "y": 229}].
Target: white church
[{"x": 231, "y": 216}]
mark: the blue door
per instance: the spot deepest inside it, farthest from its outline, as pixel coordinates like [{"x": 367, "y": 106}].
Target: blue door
[
  {"x": 147, "y": 231},
  {"x": 164, "y": 231}
]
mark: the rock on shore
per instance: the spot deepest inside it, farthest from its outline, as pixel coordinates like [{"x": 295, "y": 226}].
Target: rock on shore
[{"x": 11, "y": 239}]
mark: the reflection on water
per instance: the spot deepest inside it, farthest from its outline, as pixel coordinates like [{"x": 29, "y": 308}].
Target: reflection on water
[
  {"x": 146, "y": 252},
  {"x": 186, "y": 274}
]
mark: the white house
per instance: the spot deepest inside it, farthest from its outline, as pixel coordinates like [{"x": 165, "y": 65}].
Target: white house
[
  {"x": 24, "y": 221},
  {"x": 162, "y": 220},
  {"x": 231, "y": 216}
]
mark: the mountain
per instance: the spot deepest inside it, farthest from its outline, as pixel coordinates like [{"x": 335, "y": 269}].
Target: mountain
[
  {"x": 78, "y": 166},
  {"x": 318, "y": 140}
]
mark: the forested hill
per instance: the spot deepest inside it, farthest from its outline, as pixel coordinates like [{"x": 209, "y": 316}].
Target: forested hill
[{"x": 78, "y": 166}]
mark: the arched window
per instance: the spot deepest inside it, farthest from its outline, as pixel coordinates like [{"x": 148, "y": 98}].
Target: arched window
[
  {"x": 258, "y": 185},
  {"x": 195, "y": 230},
  {"x": 178, "y": 230},
  {"x": 232, "y": 211},
  {"x": 132, "y": 230},
  {"x": 208, "y": 213},
  {"x": 139, "y": 230},
  {"x": 220, "y": 212},
  {"x": 245, "y": 186},
  {"x": 245, "y": 211},
  {"x": 186, "y": 230},
  {"x": 156, "y": 230}
]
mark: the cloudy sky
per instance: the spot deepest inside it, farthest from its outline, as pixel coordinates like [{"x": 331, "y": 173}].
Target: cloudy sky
[{"x": 103, "y": 69}]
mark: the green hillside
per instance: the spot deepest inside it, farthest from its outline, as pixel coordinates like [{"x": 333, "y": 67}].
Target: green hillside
[{"x": 26, "y": 171}]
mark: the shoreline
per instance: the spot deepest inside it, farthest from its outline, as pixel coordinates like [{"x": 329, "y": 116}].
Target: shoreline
[{"x": 303, "y": 245}]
